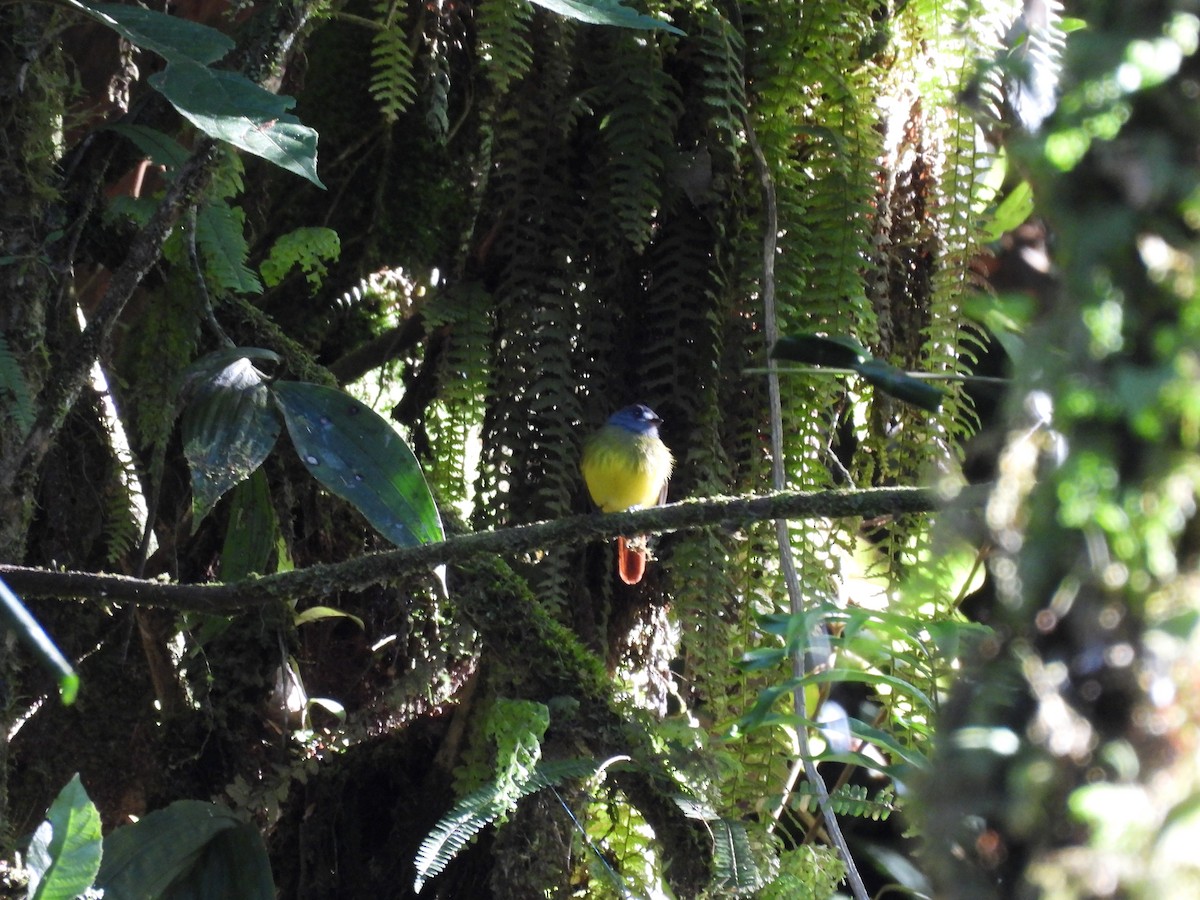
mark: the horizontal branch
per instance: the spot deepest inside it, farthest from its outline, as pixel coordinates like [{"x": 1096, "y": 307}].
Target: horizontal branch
[{"x": 324, "y": 579}]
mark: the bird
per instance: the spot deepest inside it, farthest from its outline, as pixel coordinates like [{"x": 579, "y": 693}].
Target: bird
[{"x": 626, "y": 465}]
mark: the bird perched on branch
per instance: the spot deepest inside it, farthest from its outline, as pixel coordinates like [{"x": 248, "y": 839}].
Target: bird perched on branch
[{"x": 626, "y": 465}]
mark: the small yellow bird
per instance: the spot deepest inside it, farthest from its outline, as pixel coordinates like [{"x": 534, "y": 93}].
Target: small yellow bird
[{"x": 626, "y": 465}]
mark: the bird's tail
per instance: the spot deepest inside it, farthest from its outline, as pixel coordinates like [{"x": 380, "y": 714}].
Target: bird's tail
[{"x": 631, "y": 559}]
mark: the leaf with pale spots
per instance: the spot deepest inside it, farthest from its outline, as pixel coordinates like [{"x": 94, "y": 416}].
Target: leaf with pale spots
[
  {"x": 228, "y": 428},
  {"x": 357, "y": 455}
]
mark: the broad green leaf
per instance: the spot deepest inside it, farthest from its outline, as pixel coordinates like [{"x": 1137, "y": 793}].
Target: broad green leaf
[
  {"x": 1012, "y": 211},
  {"x": 252, "y": 531},
  {"x": 215, "y": 99},
  {"x": 317, "y": 613},
  {"x": 170, "y": 37},
  {"x": 230, "y": 107},
  {"x": 64, "y": 855},
  {"x": 286, "y": 143},
  {"x": 606, "y": 12},
  {"x": 838, "y": 352},
  {"x": 897, "y": 383},
  {"x": 26, "y": 627},
  {"x": 233, "y": 864},
  {"x": 191, "y": 849},
  {"x": 359, "y": 457},
  {"x": 228, "y": 429}
]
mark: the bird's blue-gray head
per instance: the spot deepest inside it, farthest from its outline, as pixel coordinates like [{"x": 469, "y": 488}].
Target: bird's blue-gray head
[{"x": 639, "y": 418}]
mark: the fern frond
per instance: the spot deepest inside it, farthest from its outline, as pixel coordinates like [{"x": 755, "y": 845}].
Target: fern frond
[
  {"x": 735, "y": 868},
  {"x": 476, "y": 811},
  {"x": 306, "y": 248},
  {"x": 502, "y": 27},
  {"x": 393, "y": 57},
  {"x": 855, "y": 800},
  {"x": 221, "y": 239},
  {"x": 19, "y": 406}
]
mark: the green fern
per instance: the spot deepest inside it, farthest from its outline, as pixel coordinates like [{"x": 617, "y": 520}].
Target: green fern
[
  {"x": 19, "y": 406},
  {"x": 393, "y": 57},
  {"x": 502, "y": 28},
  {"x": 306, "y": 248},
  {"x": 482, "y": 807},
  {"x": 855, "y": 800},
  {"x": 220, "y": 236}
]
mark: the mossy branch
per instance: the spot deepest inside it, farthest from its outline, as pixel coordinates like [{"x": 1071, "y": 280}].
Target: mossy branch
[{"x": 377, "y": 568}]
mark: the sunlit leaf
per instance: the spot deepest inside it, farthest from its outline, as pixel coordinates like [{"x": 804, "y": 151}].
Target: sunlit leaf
[
  {"x": 228, "y": 106},
  {"x": 64, "y": 853},
  {"x": 359, "y": 457}
]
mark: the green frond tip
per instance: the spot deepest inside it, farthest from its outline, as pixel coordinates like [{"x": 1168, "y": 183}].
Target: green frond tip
[
  {"x": 480, "y": 808},
  {"x": 17, "y": 618},
  {"x": 606, "y": 12}
]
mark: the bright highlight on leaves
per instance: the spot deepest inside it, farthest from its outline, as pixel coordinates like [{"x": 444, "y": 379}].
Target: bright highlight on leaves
[
  {"x": 228, "y": 429},
  {"x": 358, "y": 456}
]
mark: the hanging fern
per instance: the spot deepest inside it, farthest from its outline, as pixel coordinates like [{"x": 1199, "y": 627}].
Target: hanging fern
[
  {"x": 502, "y": 28},
  {"x": 638, "y": 103},
  {"x": 393, "y": 56}
]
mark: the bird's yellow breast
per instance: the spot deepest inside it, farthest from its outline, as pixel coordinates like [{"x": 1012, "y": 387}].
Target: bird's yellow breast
[{"x": 623, "y": 469}]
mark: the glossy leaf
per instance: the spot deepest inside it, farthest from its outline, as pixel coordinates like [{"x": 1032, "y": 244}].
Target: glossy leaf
[
  {"x": 191, "y": 849},
  {"x": 897, "y": 383},
  {"x": 160, "y": 148},
  {"x": 22, "y": 623},
  {"x": 606, "y": 12},
  {"x": 228, "y": 430},
  {"x": 208, "y": 366},
  {"x": 171, "y": 37},
  {"x": 64, "y": 854},
  {"x": 232, "y": 108},
  {"x": 317, "y": 613},
  {"x": 252, "y": 531},
  {"x": 357, "y": 455},
  {"x": 817, "y": 350}
]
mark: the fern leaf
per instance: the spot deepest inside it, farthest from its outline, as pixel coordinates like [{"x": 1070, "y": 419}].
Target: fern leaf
[
  {"x": 220, "y": 237},
  {"x": 393, "y": 82},
  {"x": 479, "y": 809},
  {"x": 307, "y": 248},
  {"x": 503, "y": 30},
  {"x": 12, "y": 382},
  {"x": 734, "y": 866}
]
